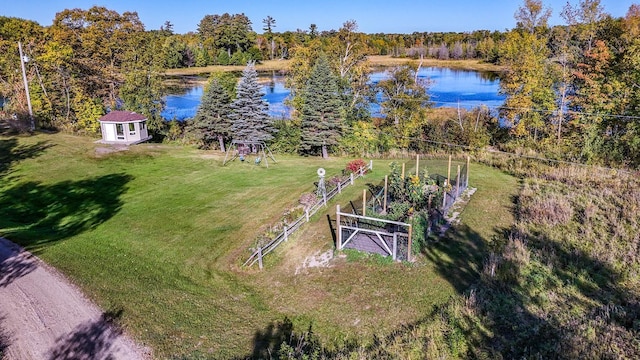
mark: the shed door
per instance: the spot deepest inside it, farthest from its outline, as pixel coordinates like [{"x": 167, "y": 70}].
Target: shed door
[{"x": 110, "y": 132}]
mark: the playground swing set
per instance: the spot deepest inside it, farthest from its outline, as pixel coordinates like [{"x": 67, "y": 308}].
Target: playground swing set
[{"x": 242, "y": 149}]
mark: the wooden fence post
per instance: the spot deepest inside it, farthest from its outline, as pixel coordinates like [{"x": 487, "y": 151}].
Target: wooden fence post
[
  {"x": 444, "y": 194},
  {"x": 286, "y": 235},
  {"x": 384, "y": 206},
  {"x": 370, "y": 164},
  {"x": 351, "y": 178},
  {"x": 402, "y": 171},
  {"x": 339, "y": 237},
  {"x": 364, "y": 202},
  {"x": 449, "y": 171},
  {"x": 340, "y": 187},
  {"x": 467, "y": 177},
  {"x": 306, "y": 212},
  {"x": 418, "y": 165},
  {"x": 260, "y": 257},
  {"x": 409, "y": 247},
  {"x": 458, "y": 183},
  {"x": 395, "y": 246}
]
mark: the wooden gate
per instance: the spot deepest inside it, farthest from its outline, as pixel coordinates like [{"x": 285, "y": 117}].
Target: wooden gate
[{"x": 380, "y": 236}]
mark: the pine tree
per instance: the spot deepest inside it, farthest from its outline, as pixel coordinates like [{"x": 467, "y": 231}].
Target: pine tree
[
  {"x": 250, "y": 117},
  {"x": 321, "y": 108},
  {"x": 212, "y": 119}
]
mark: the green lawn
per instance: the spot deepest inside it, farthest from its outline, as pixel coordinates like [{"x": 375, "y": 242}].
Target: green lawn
[{"x": 160, "y": 231}]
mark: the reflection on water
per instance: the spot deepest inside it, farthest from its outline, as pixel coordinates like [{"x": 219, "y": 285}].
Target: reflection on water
[{"x": 448, "y": 87}]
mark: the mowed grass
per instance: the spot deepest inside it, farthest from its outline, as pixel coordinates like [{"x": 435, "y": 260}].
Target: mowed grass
[{"x": 160, "y": 232}]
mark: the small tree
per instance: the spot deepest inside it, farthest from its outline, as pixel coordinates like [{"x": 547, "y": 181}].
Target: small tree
[
  {"x": 249, "y": 116},
  {"x": 212, "y": 119},
  {"x": 321, "y": 107}
]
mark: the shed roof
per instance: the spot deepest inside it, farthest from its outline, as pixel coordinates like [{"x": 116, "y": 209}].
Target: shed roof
[{"x": 122, "y": 116}]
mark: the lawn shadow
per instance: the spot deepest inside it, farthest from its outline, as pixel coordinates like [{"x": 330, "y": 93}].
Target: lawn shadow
[
  {"x": 34, "y": 214},
  {"x": 267, "y": 342},
  {"x": 524, "y": 307},
  {"x": 11, "y": 152},
  {"x": 90, "y": 340},
  {"x": 14, "y": 262},
  {"x": 458, "y": 256}
]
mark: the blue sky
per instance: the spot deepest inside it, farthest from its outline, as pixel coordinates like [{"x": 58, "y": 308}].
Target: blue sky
[{"x": 372, "y": 16}]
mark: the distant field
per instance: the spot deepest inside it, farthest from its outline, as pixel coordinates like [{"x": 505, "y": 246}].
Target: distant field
[
  {"x": 160, "y": 231},
  {"x": 375, "y": 60}
]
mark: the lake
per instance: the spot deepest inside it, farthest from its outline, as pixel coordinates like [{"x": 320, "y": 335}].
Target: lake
[{"x": 448, "y": 88}]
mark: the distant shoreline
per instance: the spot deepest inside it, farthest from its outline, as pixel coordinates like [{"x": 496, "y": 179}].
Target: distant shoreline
[{"x": 374, "y": 60}]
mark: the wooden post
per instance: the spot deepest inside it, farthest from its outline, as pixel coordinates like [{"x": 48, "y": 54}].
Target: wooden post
[
  {"x": 458, "y": 183},
  {"x": 395, "y": 245},
  {"x": 418, "y": 165},
  {"x": 403, "y": 171},
  {"x": 286, "y": 235},
  {"x": 449, "y": 171},
  {"x": 260, "y": 257},
  {"x": 467, "y": 177},
  {"x": 384, "y": 206},
  {"x": 324, "y": 198},
  {"x": 339, "y": 237},
  {"x": 364, "y": 202},
  {"x": 409, "y": 247},
  {"x": 351, "y": 178},
  {"x": 444, "y": 194},
  {"x": 370, "y": 164},
  {"x": 32, "y": 123},
  {"x": 306, "y": 212},
  {"x": 340, "y": 187}
]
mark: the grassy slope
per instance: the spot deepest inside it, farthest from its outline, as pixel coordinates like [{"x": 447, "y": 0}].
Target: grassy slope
[{"x": 159, "y": 231}]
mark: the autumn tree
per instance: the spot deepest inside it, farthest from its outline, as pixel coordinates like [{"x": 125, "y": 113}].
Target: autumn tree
[
  {"x": 404, "y": 103},
  {"x": 32, "y": 37},
  {"x": 142, "y": 90},
  {"x": 532, "y": 16},
  {"x": 321, "y": 110},
  {"x": 347, "y": 51}
]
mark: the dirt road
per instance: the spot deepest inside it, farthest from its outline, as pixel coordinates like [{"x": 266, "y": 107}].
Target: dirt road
[{"x": 44, "y": 316}]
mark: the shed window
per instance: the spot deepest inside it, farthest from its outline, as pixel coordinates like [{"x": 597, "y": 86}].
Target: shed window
[
  {"x": 120, "y": 131},
  {"x": 142, "y": 125},
  {"x": 132, "y": 128}
]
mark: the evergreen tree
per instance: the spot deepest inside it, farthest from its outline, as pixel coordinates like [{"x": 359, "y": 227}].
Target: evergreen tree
[
  {"x": 212, "y": 119},
  {"x": 249, "y": 116},
  {"x": 321, "y": 108}
]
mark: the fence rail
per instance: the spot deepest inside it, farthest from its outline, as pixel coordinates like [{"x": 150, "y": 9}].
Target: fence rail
[{"x": 289, "y": 229}]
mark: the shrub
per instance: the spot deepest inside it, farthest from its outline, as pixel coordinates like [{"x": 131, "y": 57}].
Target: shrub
[{"x": 354, "y": 166}]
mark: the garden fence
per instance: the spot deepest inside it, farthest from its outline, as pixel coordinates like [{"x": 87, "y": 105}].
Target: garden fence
[{"x": 290, "y": 228}]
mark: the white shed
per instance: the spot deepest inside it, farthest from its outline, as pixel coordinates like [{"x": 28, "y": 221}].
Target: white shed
[{"x": 124, "y": 127}]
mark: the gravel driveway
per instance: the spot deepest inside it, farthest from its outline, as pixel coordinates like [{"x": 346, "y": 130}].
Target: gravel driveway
[{"x": 44, "y": 316}]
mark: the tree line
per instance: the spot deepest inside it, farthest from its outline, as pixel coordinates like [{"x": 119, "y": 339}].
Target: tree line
[{"x": 572, "y": 89}]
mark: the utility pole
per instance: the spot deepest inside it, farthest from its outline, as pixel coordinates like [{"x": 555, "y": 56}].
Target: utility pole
[{"x": 24, "y": 59}]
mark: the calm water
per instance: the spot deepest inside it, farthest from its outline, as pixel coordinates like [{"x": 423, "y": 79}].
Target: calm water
[{"x": 448, "y": 87}]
